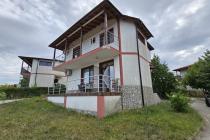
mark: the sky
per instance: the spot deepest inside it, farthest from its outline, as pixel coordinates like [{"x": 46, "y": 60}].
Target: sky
[{"x": 180, "y": 28}]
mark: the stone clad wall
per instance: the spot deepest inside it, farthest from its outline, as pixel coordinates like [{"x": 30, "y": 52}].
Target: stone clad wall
[{"x": 131, "y": 96}]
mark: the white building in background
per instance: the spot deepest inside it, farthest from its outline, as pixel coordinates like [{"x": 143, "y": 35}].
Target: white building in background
[
  {"x": 39, "y": 72},
  {"x": 107, "y": 62},
  {"x": 180, "y": 72}
]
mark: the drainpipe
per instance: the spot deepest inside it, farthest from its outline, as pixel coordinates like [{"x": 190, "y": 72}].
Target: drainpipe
[
  {"x": 139, "y": 64},
  {"x": 36, "y": 71}
]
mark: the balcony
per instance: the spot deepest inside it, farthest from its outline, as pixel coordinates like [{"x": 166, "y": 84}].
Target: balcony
[
  {"x": 25, "y": 72},
  {"x": 92, "y": 85},
  {"x": 91, "y": 55}
]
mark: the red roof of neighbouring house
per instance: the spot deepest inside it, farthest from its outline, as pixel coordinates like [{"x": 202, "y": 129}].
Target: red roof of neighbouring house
[{"x": 182, "y": 68}]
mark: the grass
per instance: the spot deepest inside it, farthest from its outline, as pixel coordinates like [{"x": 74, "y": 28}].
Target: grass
[{"x": 37, "y": 119}]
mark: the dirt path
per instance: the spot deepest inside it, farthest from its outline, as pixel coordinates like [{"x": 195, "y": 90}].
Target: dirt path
[
  {"x": 8, "y": 101},
  {"x": 200, "y": 106}
]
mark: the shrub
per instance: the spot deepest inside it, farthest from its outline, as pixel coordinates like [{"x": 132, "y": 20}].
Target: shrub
[
  {"x": 14, "y": 93},
  {"x": 179, "y": 102},
  {"x": 2, "y": 95}
]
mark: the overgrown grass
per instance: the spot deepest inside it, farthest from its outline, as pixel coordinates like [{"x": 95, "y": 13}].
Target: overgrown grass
[{"x": 38, "y": 119}]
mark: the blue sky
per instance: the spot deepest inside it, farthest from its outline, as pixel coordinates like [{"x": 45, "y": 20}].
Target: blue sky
[{"x": 180, "y": 28}]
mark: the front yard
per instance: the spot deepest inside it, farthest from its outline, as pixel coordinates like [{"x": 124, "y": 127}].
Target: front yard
[{"x": 36, "y": 118}]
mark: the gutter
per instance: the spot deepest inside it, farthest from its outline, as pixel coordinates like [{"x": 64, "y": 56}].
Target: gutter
[{"x": 139, "y": 65}]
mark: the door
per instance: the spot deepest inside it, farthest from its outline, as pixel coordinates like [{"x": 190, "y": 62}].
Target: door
[{"x": 106, "y": 70}]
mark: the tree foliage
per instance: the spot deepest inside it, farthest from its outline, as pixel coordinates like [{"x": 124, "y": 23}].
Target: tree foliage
[
  {"x": 198, "y": 75},
  {"x": 164, "y": 82},
  {"x": 24, "y": 82}
]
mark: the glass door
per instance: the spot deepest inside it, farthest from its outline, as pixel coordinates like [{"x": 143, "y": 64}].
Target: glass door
[{"x": 107, "y": 74}]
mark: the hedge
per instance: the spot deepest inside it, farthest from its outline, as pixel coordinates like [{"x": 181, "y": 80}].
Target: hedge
[{"x": 15, "y": 93}]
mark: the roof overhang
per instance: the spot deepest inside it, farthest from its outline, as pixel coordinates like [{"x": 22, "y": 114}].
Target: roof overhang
[
  {"x": 28, "y": 60},
  {"x": 94, "y": 18},
  {"x": 92, "y": 57},
  {"x": 183, "y": 68}
]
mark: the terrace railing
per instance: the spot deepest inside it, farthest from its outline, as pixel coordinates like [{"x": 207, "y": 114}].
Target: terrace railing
[{"x": 91, "y": 84}]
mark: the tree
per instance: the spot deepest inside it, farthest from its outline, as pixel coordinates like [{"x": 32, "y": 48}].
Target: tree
[
  {"x": 24, "y": 82},
  {"x": 198, "y": 75},
  {"x": 164, "y": 81}
]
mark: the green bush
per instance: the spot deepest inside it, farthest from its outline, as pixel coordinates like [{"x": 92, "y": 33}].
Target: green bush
[
  {"x": 179, "y": 102},
  {"x": 15, "y": 93},
  {"x": 2, "y": 95}
]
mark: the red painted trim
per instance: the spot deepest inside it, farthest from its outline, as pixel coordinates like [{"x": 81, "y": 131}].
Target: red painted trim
[
  {"x": 135, "y": 53},
  {"x": 84, "y": 55},
  {"x": 120, "y": 54},
  {"x": 100, "y": 107},
  {"x": 65, "y": 101}
]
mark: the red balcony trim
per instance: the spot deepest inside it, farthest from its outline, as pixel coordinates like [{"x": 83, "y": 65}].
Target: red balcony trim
[{"x": 84, "y": 55}]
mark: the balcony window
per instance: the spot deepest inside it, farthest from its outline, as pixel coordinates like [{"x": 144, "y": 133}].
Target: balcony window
[
  {"x": 45, "y": 63},
  {"x": 93, "y": 40},
  {"x": 101, "y": 37},
  {"x": 76, "y": 52},
  {"x": 110, "y": 36}
]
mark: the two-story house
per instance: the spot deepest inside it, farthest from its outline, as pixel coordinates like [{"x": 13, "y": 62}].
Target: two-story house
[
  {"x": 180, "y": 72},
  {"x": 107, "y": 62},
  {"x": 39, "y": 72}
]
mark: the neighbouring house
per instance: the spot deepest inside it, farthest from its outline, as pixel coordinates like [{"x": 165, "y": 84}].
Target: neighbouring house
[
  {"x": 180, "y": 72},
  {"x": 107, "y": 63},
  {"x": 39, "y": 72}
]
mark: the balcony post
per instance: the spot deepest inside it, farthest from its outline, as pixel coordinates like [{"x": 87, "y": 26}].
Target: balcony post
[
  {"x": 54, "y": 57},
  {"x": 66, "y": 45},
  {"x": 81, "y": 40},
  {"x": 105, "y": 27}
]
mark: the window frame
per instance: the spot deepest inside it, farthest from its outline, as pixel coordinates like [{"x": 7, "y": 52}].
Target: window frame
[
  {"x": 90, "y": 70},
  {"x": 45, "y": 63},
  {"x": 76, "y": 52}
]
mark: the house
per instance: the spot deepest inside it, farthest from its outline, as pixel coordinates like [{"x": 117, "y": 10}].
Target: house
[
  {"x": 180, "y": 72},
  {"x": 107, "y": 63},
  {"x": 39, "y": 72}
]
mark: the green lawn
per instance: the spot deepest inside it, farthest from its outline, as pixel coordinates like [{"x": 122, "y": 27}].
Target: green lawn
[{"x": 37, "y": 119}]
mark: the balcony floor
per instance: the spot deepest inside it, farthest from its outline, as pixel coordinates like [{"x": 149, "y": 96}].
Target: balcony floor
[{"x": 94, "y": 56}]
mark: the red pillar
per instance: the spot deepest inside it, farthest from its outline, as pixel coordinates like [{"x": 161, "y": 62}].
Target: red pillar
[
  {"x": 100, "y": 107},
  {"x": 65, "y": 100}
]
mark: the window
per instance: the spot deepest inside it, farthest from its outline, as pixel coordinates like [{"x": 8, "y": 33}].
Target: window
[
  {"x": 87, "y": 75},
  {"x": 45, "y": 63},
  {"x": 141, "y": 38},
  {"x": 101, "y": 39},
  {"x": 76, "y": 52},
  {"x": 93, "y": 40},
  {"x": 110, "y": 36}
]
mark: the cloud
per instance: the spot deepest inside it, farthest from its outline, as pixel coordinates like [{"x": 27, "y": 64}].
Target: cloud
[
  {"x": 180, "y": 28},
  {"x": 81, "y": 7}
]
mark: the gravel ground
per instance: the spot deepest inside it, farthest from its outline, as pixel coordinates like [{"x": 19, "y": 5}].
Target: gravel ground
[{"x": 200, "y": 106}]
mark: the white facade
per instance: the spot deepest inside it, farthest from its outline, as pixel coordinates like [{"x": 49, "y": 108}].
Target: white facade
[
  {"x": 129, "y": 52},
  {"x": 43, "y": 76}
]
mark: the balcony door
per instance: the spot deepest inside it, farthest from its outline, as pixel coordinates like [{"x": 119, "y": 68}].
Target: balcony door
[
  {"x": 87, "y": 75},
  {"x": 106, "y": 71}
]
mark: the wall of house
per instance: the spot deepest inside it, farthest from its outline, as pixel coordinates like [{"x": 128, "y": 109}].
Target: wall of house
[
  {"x": 57, "y": 100},
  {"x": 86, "y": 44},
  {"x": 75, "y": 79},
  {"x": 94, "y": 105},
  {"x": 112, "y": 104},
  {"x": 87, "y": 104},
  {"x": 131, "y": 90},
  {"x": 43, "y": 76},
  {"x": 128, "y": 36}
]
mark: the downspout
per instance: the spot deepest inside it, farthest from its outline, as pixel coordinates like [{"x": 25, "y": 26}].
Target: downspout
[
  {"x": 139, "y": 65},
  {"x": 36, "y": 72}
]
